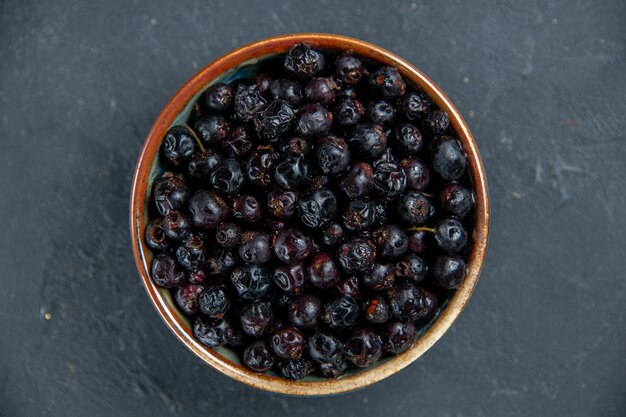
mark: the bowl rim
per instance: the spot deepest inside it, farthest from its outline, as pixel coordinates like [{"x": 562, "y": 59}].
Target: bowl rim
[{"x": 362, "y": 378}]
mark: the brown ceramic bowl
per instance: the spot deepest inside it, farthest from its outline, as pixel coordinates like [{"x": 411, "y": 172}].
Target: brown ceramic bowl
[{"x": 148, "y": 168}]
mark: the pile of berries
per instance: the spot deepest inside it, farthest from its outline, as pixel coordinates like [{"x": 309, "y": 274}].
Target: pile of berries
[{"x": 313, "y": 218}]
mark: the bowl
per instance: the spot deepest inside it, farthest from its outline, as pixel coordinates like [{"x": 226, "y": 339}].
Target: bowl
[{"x": 238, "y": 63}]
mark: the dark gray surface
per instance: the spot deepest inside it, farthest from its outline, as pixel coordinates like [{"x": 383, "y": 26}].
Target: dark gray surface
[{"x": 542, "y": 85}]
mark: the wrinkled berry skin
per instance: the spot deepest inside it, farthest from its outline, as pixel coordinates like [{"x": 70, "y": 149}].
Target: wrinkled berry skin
[
  {"x": 255, "y": 248},
  {"x": 381, "y": 277},
  {"x": 359, "y": 181},
  {"x": 448, "y": 160},
  {"x": 387, "y": 83},
  {"x": 391, "y": 241},
  {"x": 228, "y": 235},
  {"x": 449, "y": 271},
  {"x": 282, "y": 204},
  {"x": 212, "y": 333},
  {"x": 398, "y": 336},
  {"x": 178, "y": 145},
  {"x": 221, "y": 263},
  {"x": 214, "y": 302},
  {"x": 318, "y": 208},
  {"x": 292, "y": 246},
  {"x": 407, "y": 302},
  {"x": 436, "y": 123},
  {"x": 290, "y": 278},
  {"x": 413, "y": 208},
  {"x": 349, "y": 69},
  {"x": 411, "y": 267},
  {"x": 287, "y": 342},
  {"x": 389, "y": 177},
  {"x": 291, "y": 172},
  {"x": 450, "y": 235},
  {"x": 187, "y": 298},
  {"x": 246, "y": 209},
  {"x": 376, "y": 310},
  {"x": 406, "y": 139},
  {"x": 413, "y": 105},
  {"x": 191, "y": 253},
  {"x": 360, "y": 215},
  {"x": 456, "y": 200},
  {"x": 314, "y": 120},
  {"x": 321, "y": 90},
  {"x": 364, "y": 347},
  {"x": 417, "y": 174},
  {"x": 155, "y": 235},
  {"x": 304, "y": 311},
  {"x": 260, "y": 167},
  {"x": 207, "y": 210},
  {"x": 258, "y": 357},
  {"x": 332, "y": 235},
  {"x": 238, "y": 143},
  {"x": 418, "y": 241},
  {"x": 323, "y": 271},
  {"x": 380, "y": 112},
  {"x": 218, "y": 97},
  {"x": 341, "y": 312},
  {"x": 256, "y": 318},
  {"x": 368, "y": 141},
  {"x": 324, "y": 347},
  {"x": 303, "y": 61},
  {"x": 350, "y": 286},
  {"x": 288, "y": 90},
  {"x": 348, "y": 111},
  {"x": 176, "y": 225},
  {"x": 201, "y": 164},
  {"x": 197, "y": 277},
  {"x": 332, "y": 155},
  {"x": 248, "y": 100},
  {"x": 295, "y": 369},
  {"x": 212, "y": 129},
  {"x": 274, "y": 120},
  {"x": 227, "y": 177},
  {"x": 170, "y": 193},
  {"x": 356, "y": 255},
  {"x": 251, "y": 282},
  {"x": 334, "y": 369}
]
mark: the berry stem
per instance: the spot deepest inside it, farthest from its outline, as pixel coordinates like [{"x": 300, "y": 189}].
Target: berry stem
[
  {"x": 429, "y": 195},
  {"x": 197, "y": 139},
  {"x": 421, "y": 229},
  {"x": 265, "y": 148}
]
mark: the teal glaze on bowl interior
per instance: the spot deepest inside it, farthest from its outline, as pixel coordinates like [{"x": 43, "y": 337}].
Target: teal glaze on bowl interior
[{"x": 245, "y": 70}]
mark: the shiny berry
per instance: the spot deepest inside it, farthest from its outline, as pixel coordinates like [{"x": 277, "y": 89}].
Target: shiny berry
[
  {"x": 260, "y": 167},
  {"x": 341, "y": 312},
  {"x": 318, "y": 208},
  {"x": 332, "y": 155},
  {"x": 359, "y": 215},
  {"x": 201, "y": 164},
  {"x": 246, "y": 209},
  {"x": 290, "y": 278},
  {"x": 256, "y": 318},
  {"x": 368, "y": 141},
  {"x": 303, "y": 61},
  {"x": 407, "y": 302},
  {"x": 170, "y": 193},
  {"x": 178, "y": 145},
  {"x": 381, "y": 277},
  {"x": 413, "y": 208},
  {"x": 258, "y": 357},
  {"x": 380, "y": 112},
  {"x": 221, "y": 262},
  {"x": 263, "y": 82},
  {"x": 406, "y": 139},
  {"x": 324, "y": 347},
  {"x": 376, "y": 310},
  {"x": 448, "y": 159},
  {"x": 456, "y": 200},
  {"x": 212, "y": 129},
  {"x": 214, "y": 302},
  {"x": 155, "y": 235},
  {"x": 304, "y": 311},
  {"x": 364, "y": 347},
  {"x": 292, "y": 246},
  {"x": 323, "y": 271},
  {"x": 176, "y": 225},
  {"x": 411, "y": 267},
  {"x": 313, "y": 120},
  {"x": 218, "y": 97},
  {"x": 251, "y": 282},
  {"x": 255, "y": 248},
  {"x": 391, "y": 241},
  {"x": 449, "y": 271},
  {"x": 389, "y": 177},
  {"x": 191, "y": 253},
  {"x": 321, "y": 90},
  {"x": 436, "y": 123},
  {"x": 349, "y": 69},
  {"x": 417, "y": 174},
  {"x": 248, "y": 100},
  {"x": 288, "y": 90},
  {"x": 398, "y": 336},
  {"x": 450, "y": 235},
  {"x": 274, "y": 120},
  {"x": 431, "y": 304},
  {"x": 291, "y": 172},
  {"x": 282, "y": 203},
  {"x": 295, "y": 369},
  {"x": 334, "y": 369},
  {"x": 359, "y": 181},
  {"x": 413, "y": 105},
  {"x": 332, "y": 235},
  {"x": 418, "y": 241},
  {"x": 212, "y": 333},
  {"x": 287, "y": 342},
  {"x": 348, "y": 111},
  {"x": 228, "y": 235},
  {"x": 187, "y": 298},
  {"x": 238, "y": 143},
  {"x": 350, "y": 286},
  {"x": 227, "y": 177},
  {"x": 387, "y": 83},
  {"x": 357, "y": 255},
  {"x": 207, "y": 210}
]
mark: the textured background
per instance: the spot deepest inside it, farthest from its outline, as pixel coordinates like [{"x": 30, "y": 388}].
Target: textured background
[{"x": 542, "y": 85}]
